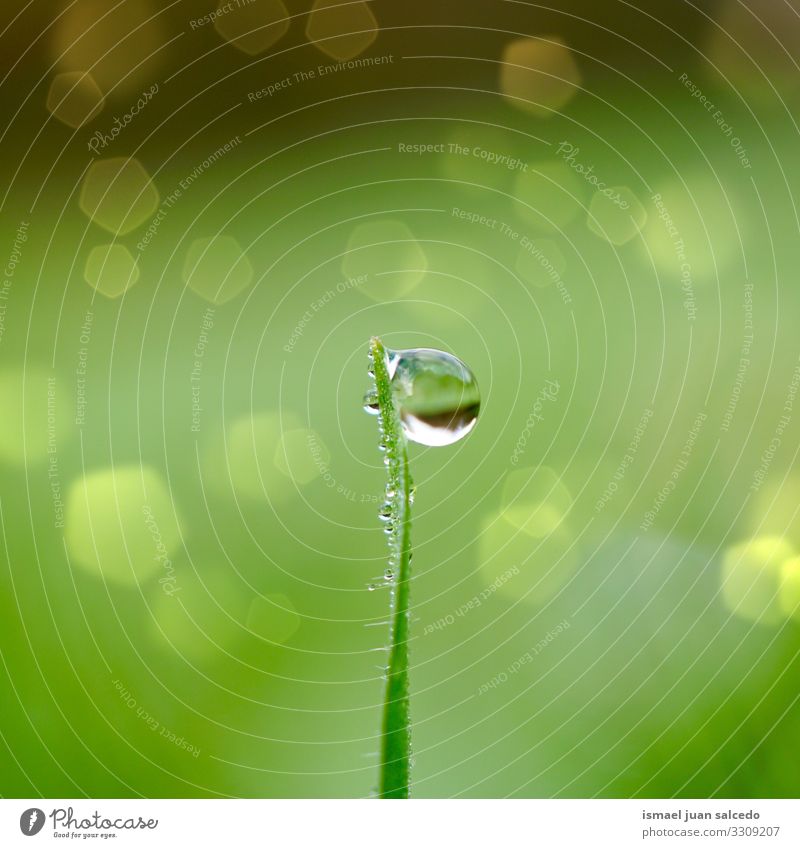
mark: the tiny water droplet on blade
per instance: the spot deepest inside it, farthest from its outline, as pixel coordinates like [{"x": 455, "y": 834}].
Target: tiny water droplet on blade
[{"x": 371, "y": 402}]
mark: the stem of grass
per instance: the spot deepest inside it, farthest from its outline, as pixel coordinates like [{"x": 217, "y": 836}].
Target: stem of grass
[{"x": 396, "y": 727}]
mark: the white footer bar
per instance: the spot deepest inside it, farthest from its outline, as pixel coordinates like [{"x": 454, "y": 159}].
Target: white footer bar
[{"x": 402, "y": 824}]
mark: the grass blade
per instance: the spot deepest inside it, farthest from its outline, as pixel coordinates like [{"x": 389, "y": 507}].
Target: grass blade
[{"x": 396, "y": 727}]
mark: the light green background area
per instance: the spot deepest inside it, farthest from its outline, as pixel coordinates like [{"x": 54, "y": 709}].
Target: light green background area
[{"x": 605, "y": 595}]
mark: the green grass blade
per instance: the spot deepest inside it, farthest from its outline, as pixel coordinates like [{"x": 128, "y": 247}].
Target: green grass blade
[{"x": 396, "y": 728}]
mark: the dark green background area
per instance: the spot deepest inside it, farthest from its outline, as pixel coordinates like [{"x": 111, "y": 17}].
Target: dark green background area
[{"x": 261, "y": 675}]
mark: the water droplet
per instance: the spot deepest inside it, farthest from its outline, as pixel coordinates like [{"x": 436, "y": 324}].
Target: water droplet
[
  {"x": 385, "y": 512},
  {"x": 371, "y": 587},
  {"x": 436, "y": 393},
  {"x": 388, "y": 574},
  {"x": 371, "y": 402},
  {"x": 389, "y": 528}
]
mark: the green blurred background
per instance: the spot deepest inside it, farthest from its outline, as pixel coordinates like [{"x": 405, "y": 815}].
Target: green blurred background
[{"x": 606, "y": 588}]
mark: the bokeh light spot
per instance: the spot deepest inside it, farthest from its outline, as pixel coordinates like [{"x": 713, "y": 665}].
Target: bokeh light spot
[
  {"x": 539, "y": 75},
  {"x": 535, "y": 500},
  {"x": 698, "y": 226},
  {"x": 481, "y": 159},
  {"x": 342, "y": 30},
  {"x": 388, "y": 254},
  {"x": 521, "y": 566},
  {"x": 773, "y": 509},
  {"x": 301, "y": 455},
  {"x": 118, "y": 44},
  {"x": 120, "y": 524},
  {"x": 217, "y": 269},
  {"x": 252, "y": 26},
  {"x": 752, "y": 577},
  {"x": 32, "y": 426},
  {"x": 616, "y": 215},
  {"x": 111, "y": 269},
  {"x": 118, "y": 195},
  {"x": 752, "y": 48},
  {"x": 74, "y": 98},
  {"x": 252, "y": 442},
  {"x": 790, "y": 587}
]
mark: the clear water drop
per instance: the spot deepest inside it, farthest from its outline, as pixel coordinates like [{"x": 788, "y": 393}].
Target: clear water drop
[
  {"x": 388, "y": 574},
  {"x": 436, "y": 393},
  {"x": 371, "y": 402},
  {"x": 385, "y": 512}
]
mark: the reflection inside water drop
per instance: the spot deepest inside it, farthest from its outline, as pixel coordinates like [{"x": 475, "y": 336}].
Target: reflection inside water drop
[
  {"x": 436, "y": 393},
  {"x": 371, "y": 402}
]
